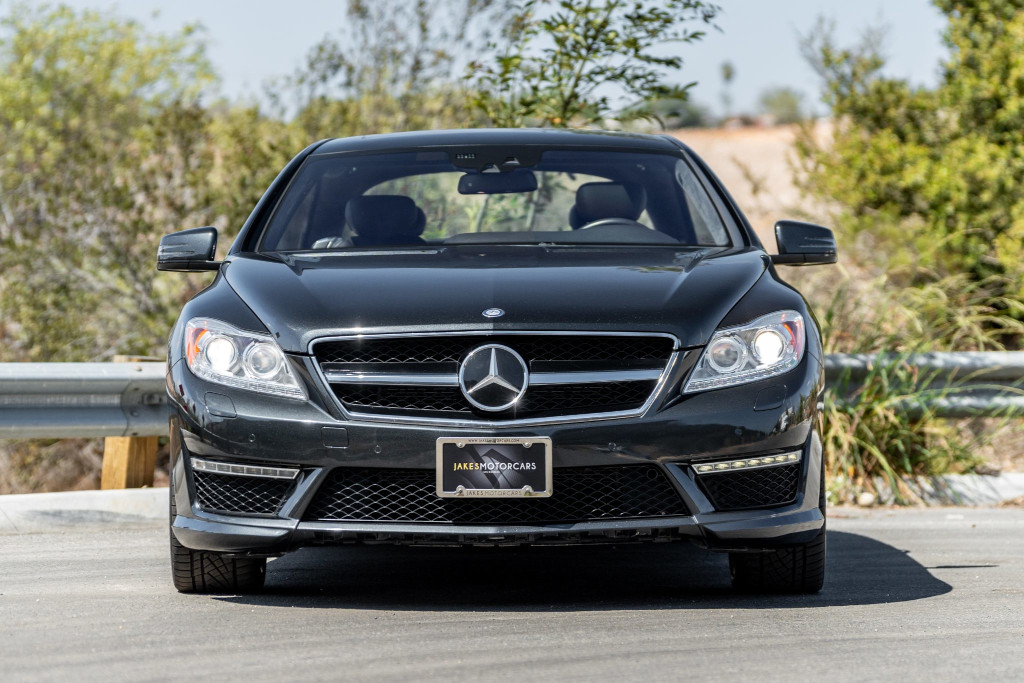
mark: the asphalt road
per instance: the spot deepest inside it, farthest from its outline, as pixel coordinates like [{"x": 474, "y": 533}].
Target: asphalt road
[{"x": 918, "y": 595}]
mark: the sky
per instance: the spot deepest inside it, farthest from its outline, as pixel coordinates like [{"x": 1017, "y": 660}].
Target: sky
[{"x": 252, "y": 41}]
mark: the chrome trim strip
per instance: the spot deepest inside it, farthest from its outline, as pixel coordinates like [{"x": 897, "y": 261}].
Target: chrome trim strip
[
  {"x": 408, "y": 378},
  {"x": 407, "y": 420},
  {"x": 536, "y": 378},
  {"x": 239, "y": 470},
  {"x": 547, "y": 378},
  {"x": 491, "y": 332}
]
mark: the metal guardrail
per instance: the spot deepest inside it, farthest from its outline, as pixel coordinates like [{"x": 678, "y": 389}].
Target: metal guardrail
[
  {"x": 954, "y": 384},
  {"x": 58, "y": 400},
  {"x": 76, "y": 400}
]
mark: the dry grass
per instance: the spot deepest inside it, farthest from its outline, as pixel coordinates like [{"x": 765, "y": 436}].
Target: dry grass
[
  {"x": 33, "y": 466},
  {"x": 37, "y": 465}
]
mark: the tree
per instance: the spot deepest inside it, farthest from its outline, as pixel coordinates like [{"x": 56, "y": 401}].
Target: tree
[
  {"x": 937, "y": 170},
  {"x": 782, "y": 104},
  {"x": 393, "y": 67},
  {"x": 583, "y": 63},
  {"x": 101, "y": 133}
]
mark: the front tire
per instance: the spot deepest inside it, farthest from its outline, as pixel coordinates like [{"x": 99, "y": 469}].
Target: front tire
[
  {"x": 798, "y": 569},
  {"x": 200, "y": 571}
]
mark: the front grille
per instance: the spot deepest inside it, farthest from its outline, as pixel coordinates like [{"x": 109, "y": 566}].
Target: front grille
[
  {"x": 602, "y": 357},
  {"x": 745, "y": 489},
  {"x": 580, "y": 494},
  {"x": 240, "y": 495},
  {"x": 540, "y": 401}
]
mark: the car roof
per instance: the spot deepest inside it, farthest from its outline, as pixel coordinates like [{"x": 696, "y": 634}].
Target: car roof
[{"x": 513, "y": 137}]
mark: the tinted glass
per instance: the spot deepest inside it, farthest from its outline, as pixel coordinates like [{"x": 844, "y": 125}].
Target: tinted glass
[{"x": 415, "y": 199}]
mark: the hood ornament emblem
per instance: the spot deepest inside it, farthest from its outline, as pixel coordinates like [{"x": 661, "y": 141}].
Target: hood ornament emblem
[
  {"x": 493, "y": 313},
  {"x": 493, "y": 377}
]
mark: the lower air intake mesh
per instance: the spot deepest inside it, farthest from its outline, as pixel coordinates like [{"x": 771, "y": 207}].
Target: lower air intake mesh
[
  {"x": 240, "y": 495},
  {"x": 580, "y": 494},
  {"x": 740, "y": 490}
]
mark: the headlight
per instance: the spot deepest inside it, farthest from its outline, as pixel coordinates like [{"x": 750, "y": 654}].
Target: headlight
[
  {"x": 220, "y": 353},
  {"x": 769, "y": 346}
]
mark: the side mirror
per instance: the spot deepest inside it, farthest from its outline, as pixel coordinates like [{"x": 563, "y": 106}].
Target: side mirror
[
  {"x": 803, "y": 244},
  {"x": 188, "y": 251}
]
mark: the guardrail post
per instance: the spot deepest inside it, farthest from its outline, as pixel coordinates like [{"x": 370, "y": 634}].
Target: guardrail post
[{"x": 128, "y": 461}]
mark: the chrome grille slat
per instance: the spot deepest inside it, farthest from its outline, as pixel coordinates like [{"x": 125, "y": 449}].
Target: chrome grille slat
[
  {"x": 536, "y": 378},
  {"x": 573, "y": 376},
  {"x": 544, "y": 378},
  {"x": 405, "y": 378}
]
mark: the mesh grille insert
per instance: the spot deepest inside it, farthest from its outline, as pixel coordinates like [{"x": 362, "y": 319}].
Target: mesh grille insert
[
  {"x": 240, "y": 495},
  {"x": 580, "y": 494},
  {"x": 765, "y": 487},
  {"x": 403, "y": 399},
  {"x": 406, "y": 350}
]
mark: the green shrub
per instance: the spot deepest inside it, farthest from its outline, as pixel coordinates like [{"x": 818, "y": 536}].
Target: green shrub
[
  {"x": 938, "y": 173},
  {"x": 879, "y": 427}
]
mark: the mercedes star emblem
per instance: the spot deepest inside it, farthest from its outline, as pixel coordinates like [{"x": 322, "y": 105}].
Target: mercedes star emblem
[{"x": 493, "y": 377}]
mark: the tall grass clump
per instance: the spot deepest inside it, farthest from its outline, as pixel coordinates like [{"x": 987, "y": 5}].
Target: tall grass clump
[{"x": 879, "y": 428}]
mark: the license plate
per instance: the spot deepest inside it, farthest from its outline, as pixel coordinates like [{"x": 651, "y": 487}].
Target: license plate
[{"x": 505, "y": 467}]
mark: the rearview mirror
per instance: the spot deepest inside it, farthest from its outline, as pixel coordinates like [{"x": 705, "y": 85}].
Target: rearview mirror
[
  {"x": 519, "y": 180},
  {"x": 803, "y": 244},
  {"x": 188, "y": 251}
]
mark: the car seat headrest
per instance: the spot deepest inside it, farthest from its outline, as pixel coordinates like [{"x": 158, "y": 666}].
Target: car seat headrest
[
  {"x": 595, "y": 201},
  {"x": 385, "y": 219}
]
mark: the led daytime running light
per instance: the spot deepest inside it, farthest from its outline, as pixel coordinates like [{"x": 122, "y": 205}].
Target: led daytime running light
[
  {"x": 238, "y": 470},
  {"x": 748, "y": 463}
]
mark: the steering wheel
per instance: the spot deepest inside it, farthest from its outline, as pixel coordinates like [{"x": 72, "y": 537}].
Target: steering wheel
[{"x": 600, "y": 222}]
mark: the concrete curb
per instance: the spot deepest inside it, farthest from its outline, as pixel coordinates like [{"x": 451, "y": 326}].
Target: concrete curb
[
  {"x": 35, "y": 512},
  {"x": 964, "y": 489}
]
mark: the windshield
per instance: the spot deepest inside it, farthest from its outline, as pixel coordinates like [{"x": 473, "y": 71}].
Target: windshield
[{"x": 417, "y": 199}]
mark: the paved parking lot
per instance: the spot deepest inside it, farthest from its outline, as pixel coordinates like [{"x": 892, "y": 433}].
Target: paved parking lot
[{"x": 916, "y": 594}]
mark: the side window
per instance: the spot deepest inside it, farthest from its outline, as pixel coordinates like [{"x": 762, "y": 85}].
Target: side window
[
  {"x": 707, "y": 224},
  {"x": 295, "y": 232},
  {"x": 290, "y": 220}
]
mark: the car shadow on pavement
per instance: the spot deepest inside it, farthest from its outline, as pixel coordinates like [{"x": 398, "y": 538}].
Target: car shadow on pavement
[{"x": 861, "y": 571}]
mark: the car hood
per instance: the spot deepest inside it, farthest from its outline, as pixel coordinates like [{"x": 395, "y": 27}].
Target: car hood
[{"x": 684, "y": 292}]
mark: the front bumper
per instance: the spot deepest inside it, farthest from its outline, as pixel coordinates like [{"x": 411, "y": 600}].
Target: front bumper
[{"x": 721, "y": 424}]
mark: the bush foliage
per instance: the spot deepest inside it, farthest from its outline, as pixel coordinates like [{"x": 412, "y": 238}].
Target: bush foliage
[{"x": 938, "y": 172}]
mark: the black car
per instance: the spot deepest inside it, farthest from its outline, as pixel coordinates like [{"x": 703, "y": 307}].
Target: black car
[{"x": 496, "y": 337}]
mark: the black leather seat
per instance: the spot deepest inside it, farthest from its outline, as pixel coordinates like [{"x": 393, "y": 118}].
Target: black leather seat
[
  {"x": 595, "y": 201},
  {"x": 385, "y": 220}
]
